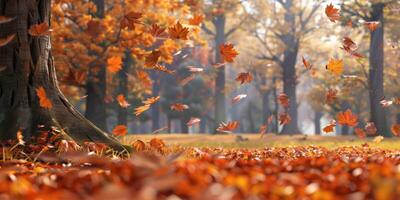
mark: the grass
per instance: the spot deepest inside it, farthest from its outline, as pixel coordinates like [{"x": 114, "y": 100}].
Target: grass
[{"x": 268, "y": 140}]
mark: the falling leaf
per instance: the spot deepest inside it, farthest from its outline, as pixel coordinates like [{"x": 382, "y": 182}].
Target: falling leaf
[
  {"x": 284, "y": 118},
  {"x": 186, "y": 80},
  {"x": 360, "y": 133},
  {"x": 5, "y": 19},
  {"x": 283, "y": 99},
  {"x": 331, "y": 96},
  {"x": 157, "y": 143},
  {"x": 350, "y": 47},
  {"x": 330, "y": 127},
  {"x": 139, "y": 110},
  {"x": 372, "y": 25},
  {"x": 347, "y": 118},
  {"x": 238, "y": 98},
  {"x": 332, "y": 13},
  {"x": 196, "y": 20},
  {"x": 6, "y": 40},
  {"x": 378, "y": 139},
  {"x": 144, "y": 78},
  {"x": 120, "y": 130},
  {"x": 228, "y": 52},
  {"x": 20, "y": 138},
  {"x": 306, "y": 64},
  {"x": 156, "y": 30},
  {"x": 335, "y": 66},
  {"x": 370, "y": 128},
  {"x": 195, "y": 69},
  {"x": 44, "y": 101},
  {"x": 244, "y": 77},
  {"x": 139, "y": 145},
  {"x": 386, "y": 103},
  {"x": 395, "y": 129},
  {"x": 180, "y": 107},
  {"x": 151, "y": 100},
  {"x": 42, "y": 29},
  {"x": 152, "y": 59},
  {"x": 130, "y": 20},
  {"x": 163, "y": 69},
  {"x": 114, "y": 64},
  {"x": 178, "y": 32},
  {"x": 122, "y": 101},
  {"x": 193, "y": 121},
  {"x": 94, "y": 28},
  {"x": 228, "y": 127},
  {"x": 263, "y": 129}
]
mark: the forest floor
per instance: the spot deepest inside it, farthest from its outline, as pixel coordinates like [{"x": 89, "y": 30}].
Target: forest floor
[{"x": 267, "y": 140}]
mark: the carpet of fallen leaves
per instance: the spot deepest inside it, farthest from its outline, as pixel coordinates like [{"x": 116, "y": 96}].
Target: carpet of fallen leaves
[{"x": 173, "y": 173}]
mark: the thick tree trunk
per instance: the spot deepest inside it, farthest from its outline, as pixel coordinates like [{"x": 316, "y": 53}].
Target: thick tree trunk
[
  {"x": 220, "y": 108},
  {"x": 317, "y": 122},
  {"x": 29, "y": 65},
  {"x": 275, "y": 128},
  {"x": 266, "y": 111},
  {"x": 398, "y": 118},
  {"x": 123, "y": 88},
  {"x": 376, "y": 62},
  {"x": 96, "y": 107}
]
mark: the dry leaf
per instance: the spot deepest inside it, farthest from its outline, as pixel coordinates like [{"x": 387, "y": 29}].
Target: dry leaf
[
  {"x": 120, "y": 130},
  {"x": 244, "y": 77},
  {"x": 228, "y": 52},
  {"x": 139, "y": 110},
  {"x": 178, "y": 32},
  {"x": 6, "y": 40},
  {"x": 347, "y": 118},
  {"x": 44, "y": 101},
  {"x": 229, "y": 127},
  {"x": 360, "y": 133},
  {"x": 238, "y": 98},
  {"x": 335, "y": 66},
  {"x": 284, "y": 118},
  {"x": 42, "y": 29},
  {"x": 306, "y": 64},
  {"x": 331, "y": 96},
  {"x": 196, "y": 20},
  {"x": 283, "y": 100},
  {"x": 372, "y": 25},
  {"x": 332, "y": 13},
  {"x": 180, "y": 107},
  {"x": 114, "y": 64},
  {"x": 122, "y": 101},
  {"x": 139, "y": 145},
  {"x": 395, "y": 129},
  {"x": 130, "y": 19},
  {"x": 152, "y": 59},
  {"x": 5, "y": 19},
  {"x": 193, "y": 121}
]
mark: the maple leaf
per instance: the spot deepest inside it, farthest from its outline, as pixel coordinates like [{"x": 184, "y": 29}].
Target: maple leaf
[
  {"x": 193, "y": 121},
  {"x": 157, "y": 143},
  {"x": 42, "y": 29},
  {"x": 350, "y": 47},
  {"x": 330, "y": 127},
  {"x": 335, "y": 66},
  {"x": 244, "y": 77},
  {"x": 5, "y": 19},
  {"x": 228, "y": 127},
  {"x": 156, "y": 30},
  {"x": 130, "y": 19},
  {"x": 139, "y": 110},
  {"x": 284, "y": 118},
  {"x": 178, "y": 32},
  {"x": 283, "y": 99},
  {"x": 347, "y": 118},
  {"x": 395, "y": 129},
  {"x": 372, "y": 25},
  {"x": 6, "y": 40},
  {"x": 44, "y": 101},
  {"x": 331, "y": 96},
  {"x": 122, "y": 101},
  {"x": 186, "y": 80},
  {"x": 151, "y": 100},
  {"x": 196, "y": 20},
  {"x": 139, "y": 145},
  {"x": 144, "y": 78},
  {"x": 120, "y": 130},
  {"x": 114, "y": 64},
  {"x": 152, "y": 59},
  {"x": 75, "y": 77},
  {"x": 228, "y": 52},
  {"x": 163, "y": 69},
  {"x": 180, "y": 107},
  {"x": 332, "y": 13},
  {"x": 306, "y": 64},
  {"x": 238, "y": 98},
  {"x": 360, "y": 133}
]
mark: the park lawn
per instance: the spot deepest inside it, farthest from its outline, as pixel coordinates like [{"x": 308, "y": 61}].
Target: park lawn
[{"x": 268, "y": 140}]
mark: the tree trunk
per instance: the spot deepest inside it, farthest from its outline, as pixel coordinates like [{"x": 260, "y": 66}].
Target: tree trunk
[
  {"x": 155, "y": 108},
  {"x": 29, "y": 65},
  {"x": 276, "y": 107},
  {"x": 398, "y": 118},
  {"x": 123, "y": 88},
  {"x": 96, "y": 107},
  {"x": 220, "y": 109},
  {"x": 376, "y": 62},
  {"x": 266, "y": 111},
  {"x": 317, "y": 122}
]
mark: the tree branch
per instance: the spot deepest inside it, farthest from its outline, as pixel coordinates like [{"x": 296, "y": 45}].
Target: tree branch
[{"x": 207, "y": 30}]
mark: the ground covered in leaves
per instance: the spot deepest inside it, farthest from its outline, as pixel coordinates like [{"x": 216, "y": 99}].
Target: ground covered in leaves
[{"x": 160, "y": 171}]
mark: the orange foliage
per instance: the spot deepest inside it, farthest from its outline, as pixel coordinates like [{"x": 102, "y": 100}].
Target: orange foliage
[
  {"x": 44, "y": 101},
  {"x": 347, "y": 118}
]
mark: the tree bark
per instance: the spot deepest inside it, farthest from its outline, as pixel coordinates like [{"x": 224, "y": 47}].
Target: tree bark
[
  {"x": 123, "y": 88},
  {"x": 220, "y": 109},
  {"x": 155, "y": 108},
  {"x": 376, "y": 62},
  {"x": 29, "y": 65},
  {"x": 96, "y": 86},
  {"x": 275, "y": 128},
  {"x": 317, "y": 122}
]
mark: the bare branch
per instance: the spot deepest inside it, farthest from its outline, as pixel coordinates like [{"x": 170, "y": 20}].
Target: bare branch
[{"x": 207, "y": 30}]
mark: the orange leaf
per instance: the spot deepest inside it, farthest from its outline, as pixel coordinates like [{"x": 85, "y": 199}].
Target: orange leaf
[
  {"x": 395, "y": 129},
  {"x": 44, "y": 101},
  {"x": 360, "y": 133},
  {"x": 179, "y": 107},
  {"x": 283, "y": 99},
  {"x": 157, "y": 143},
  {"x": 94, "y": 28},
  {"x": 193, "y": 121},
  {"x": 156, "y": 30},
  {"x": 335, "y": 66},
  {"x": 306, "y": 64},
  {"x": 332, "y": 13},
  {"x": 139, "y": 110},
  {"x": 5, "y": 19},
  {"x": 20, "y": 138},
  {"x": 151, "y": 100},
  {"x": 372, "y": 25},
  {"x": 238, "y": 98},
  {"x": 331, "y": 96},
  {"x": 122, "y": 101},
  {"x": 152, "y": 59},
  {"x": 42, "y": 29},
  {"x": 144, "y": 78},
  {"x": 196, "y": 20},
  {"x": 178, "y": 32},
  {"x": 6, "y": 40},
  {"x": 163, "y": 69},
  {"x": 228, "y": 52},
  {"x": 130, "y": 19},
  {"x": 347, "y": 118},
  {"x": 114, "y": 64},
  {"x": 120, "y": 130},
  {"x": 370, "y": 128},
  {"x": 284, "y": 118},
  {"x": 330, "y": 127},
  {"x": 229, "y": 127},
  {"x": 186, "y": 80},
  {"x": 244, "y": 77},
  {"x": 139, "y": 145}
]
